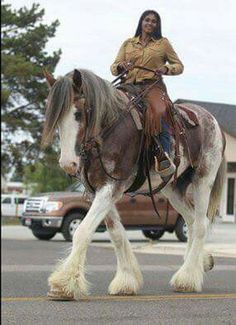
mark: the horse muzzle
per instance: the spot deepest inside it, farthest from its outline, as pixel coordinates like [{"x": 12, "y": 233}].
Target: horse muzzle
[{"x": 70, "y": 168}]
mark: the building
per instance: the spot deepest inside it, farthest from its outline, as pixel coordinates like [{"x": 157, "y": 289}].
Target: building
[
  {"x": 13, "y": 187},
  {"x": 226, "y": 116}
]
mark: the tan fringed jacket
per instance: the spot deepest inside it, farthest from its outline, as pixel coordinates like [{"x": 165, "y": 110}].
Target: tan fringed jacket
[{"x": 156, "y": 54}]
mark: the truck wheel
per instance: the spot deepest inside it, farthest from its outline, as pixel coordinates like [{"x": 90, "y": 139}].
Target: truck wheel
[
  {"x": 181, "y": 230},
  {"x": 70, "y": 224},
  {"x": 153, "y": 234},
  {"x": 43, "y": 236}
]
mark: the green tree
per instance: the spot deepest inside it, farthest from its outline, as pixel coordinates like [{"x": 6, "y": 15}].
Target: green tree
[
  {"x": 46, "y": 177},
  {"x": 24, "y": 90}
]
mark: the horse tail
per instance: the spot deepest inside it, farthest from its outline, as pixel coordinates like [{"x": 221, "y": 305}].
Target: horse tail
[{"x": 216, "y": 191}]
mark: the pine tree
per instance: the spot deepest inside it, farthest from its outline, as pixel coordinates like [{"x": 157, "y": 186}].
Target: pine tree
[{"x": 24, "y": 90}]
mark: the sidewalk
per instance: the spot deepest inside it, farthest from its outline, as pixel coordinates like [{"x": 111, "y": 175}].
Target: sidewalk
[{"x": 221, "y": 240}]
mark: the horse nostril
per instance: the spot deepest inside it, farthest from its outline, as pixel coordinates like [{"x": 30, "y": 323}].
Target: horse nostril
[{"x": 73, "y": 164}]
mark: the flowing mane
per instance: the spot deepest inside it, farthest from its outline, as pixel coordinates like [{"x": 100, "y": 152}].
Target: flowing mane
[{"x": 105, "y": 101}]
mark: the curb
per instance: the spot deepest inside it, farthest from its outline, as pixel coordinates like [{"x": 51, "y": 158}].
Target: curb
[
  {"x": 180, "y": 250},
  {"x": 171, "y": 249}
]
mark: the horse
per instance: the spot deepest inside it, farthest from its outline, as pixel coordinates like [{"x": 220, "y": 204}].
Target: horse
[{"x": 89, "y": 112}]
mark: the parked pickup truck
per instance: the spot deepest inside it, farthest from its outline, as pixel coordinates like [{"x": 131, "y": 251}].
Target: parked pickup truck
[
  {"x": 12, "y": 205},
  {"x": 49, "y": 213}
]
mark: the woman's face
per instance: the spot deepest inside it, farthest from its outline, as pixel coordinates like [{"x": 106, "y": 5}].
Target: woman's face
[{"x": 149, "y": 24}]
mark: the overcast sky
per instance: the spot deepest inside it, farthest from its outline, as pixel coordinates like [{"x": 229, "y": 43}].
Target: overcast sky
[{"x": 202, "y": 32}]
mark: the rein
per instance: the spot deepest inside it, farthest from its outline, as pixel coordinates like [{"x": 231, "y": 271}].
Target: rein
[
  {"x": 88, "y": 145},
  {"x": 122, "y": 74},
  {"x": 94, "y": 143},
  {"x": 135, "y": 164}
]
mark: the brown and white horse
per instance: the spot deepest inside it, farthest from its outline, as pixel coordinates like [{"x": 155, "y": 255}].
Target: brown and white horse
[{"x": 68, "y": 99}]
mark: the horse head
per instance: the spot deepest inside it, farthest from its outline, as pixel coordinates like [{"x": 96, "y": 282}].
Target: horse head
[
  {"x": 80, "y": 105},
  {"x": 63, "y": 112}
]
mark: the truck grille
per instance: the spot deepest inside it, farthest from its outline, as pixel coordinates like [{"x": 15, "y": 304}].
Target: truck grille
[{"x": 34, "y": 205}]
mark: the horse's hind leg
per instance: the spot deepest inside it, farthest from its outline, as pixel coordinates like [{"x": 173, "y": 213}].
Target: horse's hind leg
[
  {"x": 189, "y": 277},
  {"x": 68, "y": 280},
  {"x": 128, "y": 278},
  {"x": 185, "y": 208}
]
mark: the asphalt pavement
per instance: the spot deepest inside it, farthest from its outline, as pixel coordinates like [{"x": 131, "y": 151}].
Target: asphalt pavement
[{"x": 27, "y": 263}]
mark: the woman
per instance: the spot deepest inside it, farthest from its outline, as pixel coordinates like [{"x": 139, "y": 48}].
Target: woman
[{"x": 149, "y": 49}]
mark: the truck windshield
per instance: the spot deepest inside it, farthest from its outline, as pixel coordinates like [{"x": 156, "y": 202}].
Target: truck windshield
[{"x": 76, "y": 187}]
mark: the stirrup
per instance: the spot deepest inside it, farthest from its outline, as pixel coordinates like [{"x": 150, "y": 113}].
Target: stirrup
[{"x": 166, "y": 167}]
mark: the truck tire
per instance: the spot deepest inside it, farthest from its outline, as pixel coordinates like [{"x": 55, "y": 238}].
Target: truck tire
[
  {"x": 43, "y": 235},
  {"x": 181, "y": 230},
  {"x": 153, "y": 234},
  {"x": 71, "y": 222}
]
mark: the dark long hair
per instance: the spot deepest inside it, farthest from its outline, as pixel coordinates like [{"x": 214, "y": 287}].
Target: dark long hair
[{"x": 157, "y": 32}]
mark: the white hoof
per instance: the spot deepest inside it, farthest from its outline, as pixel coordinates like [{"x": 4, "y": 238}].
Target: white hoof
[
  {"x": 59, "y": 295},
  {"x": 70, "y": 284},
  {"x": 126, "y": 284},
  {"x": 186, "y": 280}
]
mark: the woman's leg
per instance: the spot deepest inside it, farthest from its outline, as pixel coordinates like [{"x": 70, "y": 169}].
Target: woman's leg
[
  {"x": 164, "y": 136},
  {"x": 157, "y": 108}
]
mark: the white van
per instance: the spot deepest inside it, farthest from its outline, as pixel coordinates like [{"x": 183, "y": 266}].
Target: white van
[{"x": 12, "y": 205}]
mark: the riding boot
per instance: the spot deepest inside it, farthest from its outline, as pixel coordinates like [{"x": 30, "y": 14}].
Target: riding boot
[{"x": 164, "y": 166}]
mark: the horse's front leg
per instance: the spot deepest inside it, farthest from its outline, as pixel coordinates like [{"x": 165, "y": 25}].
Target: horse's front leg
[
  {"x": 68, "y": 280},
  {"x": 128, "y": 279}
]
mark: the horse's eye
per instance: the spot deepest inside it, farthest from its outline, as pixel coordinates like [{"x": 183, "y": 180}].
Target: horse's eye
[{"x": 78, "y": 116}]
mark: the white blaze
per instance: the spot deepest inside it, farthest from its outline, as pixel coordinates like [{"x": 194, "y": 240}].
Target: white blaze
[{"x": 68, "y": 130}]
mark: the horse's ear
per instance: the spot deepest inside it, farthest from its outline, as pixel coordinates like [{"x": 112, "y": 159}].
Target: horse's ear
[
  {"x": 49, "y": 77},
  {"x": 77, "y": 79}
]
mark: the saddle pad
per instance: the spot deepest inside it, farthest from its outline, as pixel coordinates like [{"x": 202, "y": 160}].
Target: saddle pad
[{"x": 188, "y": 116}]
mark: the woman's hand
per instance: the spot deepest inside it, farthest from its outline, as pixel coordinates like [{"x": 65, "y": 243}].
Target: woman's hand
[
  {"x": 126, "y": 66},
  {"x": 162, "y": 70}
]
